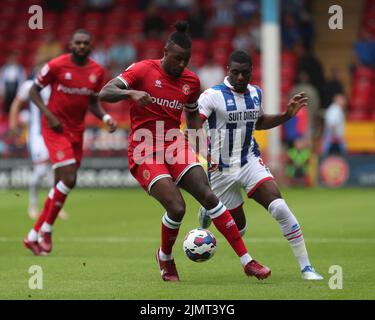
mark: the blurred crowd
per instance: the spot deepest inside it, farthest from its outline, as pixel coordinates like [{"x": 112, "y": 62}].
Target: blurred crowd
[{"x": 235, "y": 22}]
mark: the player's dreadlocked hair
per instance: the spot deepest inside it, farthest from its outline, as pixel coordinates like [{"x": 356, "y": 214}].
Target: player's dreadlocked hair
[
  {"x": 180, "y": 37},
  {"x": 240, "y": 56}
]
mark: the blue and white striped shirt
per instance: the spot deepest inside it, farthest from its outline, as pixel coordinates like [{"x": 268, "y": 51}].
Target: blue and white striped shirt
[{"x": 231, "y": 119}]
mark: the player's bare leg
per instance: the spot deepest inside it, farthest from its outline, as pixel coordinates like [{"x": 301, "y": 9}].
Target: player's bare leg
[
  {"x": 168, "y": 194},
  {"x": 268, "y": 195},
  {"x": 196, "y": 183}
]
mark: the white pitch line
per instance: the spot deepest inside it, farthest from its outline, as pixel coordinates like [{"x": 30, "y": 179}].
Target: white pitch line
[{"x": 152, "y": 239}]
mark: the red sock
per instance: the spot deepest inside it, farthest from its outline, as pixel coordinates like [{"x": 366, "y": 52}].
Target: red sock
[
  {"x": 43, "y": 214},
  {"x": 226, "y": 225},
  {"x": 60, "y": 193},
  {"x": 169, "y": 232},
  {"x": 168, "y": 238}
]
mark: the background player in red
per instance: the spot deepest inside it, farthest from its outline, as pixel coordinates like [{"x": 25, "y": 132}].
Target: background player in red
[
  {"x": 160, "y": 90},
  {"x": 75, "y": 81}
]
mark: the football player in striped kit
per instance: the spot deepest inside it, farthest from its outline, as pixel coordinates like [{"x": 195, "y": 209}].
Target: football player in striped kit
[{"x": 233, "y": 110}]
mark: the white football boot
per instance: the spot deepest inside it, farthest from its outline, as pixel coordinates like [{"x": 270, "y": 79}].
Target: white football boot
[{"x": 309, "y": 273}]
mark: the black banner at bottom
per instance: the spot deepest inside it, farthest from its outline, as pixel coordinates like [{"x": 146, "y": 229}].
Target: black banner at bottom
[{"x": 188, "y": 309}]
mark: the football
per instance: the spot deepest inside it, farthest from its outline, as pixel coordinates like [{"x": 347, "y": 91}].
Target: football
[{"x": 199, "y": 245}]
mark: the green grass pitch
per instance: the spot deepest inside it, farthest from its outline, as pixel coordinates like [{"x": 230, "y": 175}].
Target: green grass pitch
[{"x": 106, "y": 250}]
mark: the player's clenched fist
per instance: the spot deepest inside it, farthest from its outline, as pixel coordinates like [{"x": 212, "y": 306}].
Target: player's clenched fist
[
  {"x": 141, "y": 97},
  {"x": 111, "y": 125}
]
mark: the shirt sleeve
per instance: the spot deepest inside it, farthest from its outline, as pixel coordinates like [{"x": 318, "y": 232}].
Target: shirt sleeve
[
  {"x": 24, "y": 90},
  {"x": 205, "y": 104},
  {"x": 260, "y": 95},
  {"x": 46, "y": 75},
  {"x": 130, "y": 77}
]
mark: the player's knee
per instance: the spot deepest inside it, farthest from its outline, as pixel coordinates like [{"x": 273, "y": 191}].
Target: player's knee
[
  {"x": 209, "y": 199},
  {"x": 176, "y": 210},
  {"x": 70, "y": 180},
  {"x": 279, "y": 209}
]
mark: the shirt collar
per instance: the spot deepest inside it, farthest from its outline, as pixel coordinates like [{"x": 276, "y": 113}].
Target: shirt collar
[{"x": 227, "y": 83}]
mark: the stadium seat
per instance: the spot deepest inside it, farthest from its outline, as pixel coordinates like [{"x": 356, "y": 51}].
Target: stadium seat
[
  {"x": 256, "y": 59},
  {"x": 224, "y": 32},
  {"x": 256, "y": 74},
  {"x": 288, "y": 73},
  {"x": 172, "y": 17},
  {"x": 358, "y": 115},
  {"x": 137, "y": 18},
  {"x": 220, "y": 57},
  {"x": 198, "y": 59},
  {"x": 150, "y": 49},
  {"x": 200, "y": 46},
  {"x": 364, "y": 73},
  {"x": 362, "y": 91},
  {"x": 221, "y": 43},
  {"x": 361, "y": 97}
]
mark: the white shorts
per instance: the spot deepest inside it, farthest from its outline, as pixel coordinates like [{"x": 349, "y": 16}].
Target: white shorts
[
  {"x": 38, "y": 149},
  {"x": 227, "y": 186}
]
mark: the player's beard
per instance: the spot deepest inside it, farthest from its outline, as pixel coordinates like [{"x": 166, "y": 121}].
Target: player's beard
[
  {"x": 80, "y": 58},
  {"x": 240, "y": 87},
  {"x": 177, "y": 74}
]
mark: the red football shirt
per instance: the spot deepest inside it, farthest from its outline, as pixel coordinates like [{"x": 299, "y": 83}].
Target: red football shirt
[
  {"x": 169, "y": 96},
  {"x": 71, "y": 89}
]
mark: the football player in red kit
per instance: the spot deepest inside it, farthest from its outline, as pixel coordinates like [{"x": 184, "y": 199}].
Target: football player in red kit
[
  {"x": 160, "y": 157},
  {"x": 75, "y": 81}
]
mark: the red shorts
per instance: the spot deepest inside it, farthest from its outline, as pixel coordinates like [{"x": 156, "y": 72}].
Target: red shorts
[
  {"x": 64, "y": 148},
  {"x": 150, "y": 169}
]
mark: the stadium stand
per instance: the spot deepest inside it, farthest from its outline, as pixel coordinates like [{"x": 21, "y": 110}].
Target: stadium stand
[
  {"x": 125, "y": 19},
  {"x": 362, "y": 103}
]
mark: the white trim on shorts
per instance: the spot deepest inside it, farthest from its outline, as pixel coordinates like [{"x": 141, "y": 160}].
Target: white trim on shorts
[
  {"x": 257, "y": 185},
  {"x": 191, "y": 165},
  {"x": 63, "y": 163},
  {"x": 157, "y": 178}
]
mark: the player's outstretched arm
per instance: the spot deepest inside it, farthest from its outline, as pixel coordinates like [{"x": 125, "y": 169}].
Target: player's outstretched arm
[
  {"x": 35, "y": 97},
  {"x": 267, "y": 121},
  {"x": 115, "y": 90}
]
